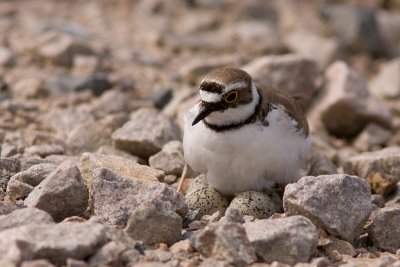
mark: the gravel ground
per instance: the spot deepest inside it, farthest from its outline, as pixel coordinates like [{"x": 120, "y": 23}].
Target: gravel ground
[{"x": 92, "y": 95}]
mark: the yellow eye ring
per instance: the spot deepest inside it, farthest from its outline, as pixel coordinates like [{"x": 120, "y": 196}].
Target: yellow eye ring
[{"x": 231, "y": 97}]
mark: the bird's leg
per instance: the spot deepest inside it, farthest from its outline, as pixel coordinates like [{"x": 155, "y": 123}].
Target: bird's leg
[{"x": 183, "y": 176}]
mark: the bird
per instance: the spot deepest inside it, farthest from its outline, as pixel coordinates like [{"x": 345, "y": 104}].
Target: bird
[{"x": 243, "y": 135}]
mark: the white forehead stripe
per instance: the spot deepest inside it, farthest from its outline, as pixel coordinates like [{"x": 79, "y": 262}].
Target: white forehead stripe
[
  {"x": 234, "y": 86},
  {"x": 210, "y": 97}
]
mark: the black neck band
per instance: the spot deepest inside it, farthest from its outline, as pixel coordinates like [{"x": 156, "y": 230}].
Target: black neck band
[{"x": 251, "y": 119}]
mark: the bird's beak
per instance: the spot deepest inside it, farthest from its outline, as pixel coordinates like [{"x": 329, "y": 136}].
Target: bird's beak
[{"x": 204, "y": 111}]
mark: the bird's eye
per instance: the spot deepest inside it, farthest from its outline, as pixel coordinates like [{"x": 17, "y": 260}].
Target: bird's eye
[{"x": 231, "y": 97}]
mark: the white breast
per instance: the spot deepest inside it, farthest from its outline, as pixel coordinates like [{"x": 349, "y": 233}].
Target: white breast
[{"x": 252, "y": 157}]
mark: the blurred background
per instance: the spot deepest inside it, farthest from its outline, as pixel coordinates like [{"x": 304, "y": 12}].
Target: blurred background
[{"x": 69, "y": 66}]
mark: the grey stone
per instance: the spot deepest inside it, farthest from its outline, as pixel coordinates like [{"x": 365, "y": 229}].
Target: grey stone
[
  {"x": 384, "y": 230},
  {"x": 381, "y": 168},
  {"x": 114, "y": 101},
  {"x": 7, "y": 57},
  {"x": 29, "y": 87},
  {"x": 61, "y": 194},
  {"x": 154, "y": 222},
  {"x": 378, "y": 200},
  {"x": 298, "y": 76},
  {"x": 261, "y": 205},
  {"x": 205, "y": 199},
  {"x": 331, "y": 245},
  {"x": 226, "y": 242},
  {"x": 37, "y": 263},
  {"x": 158, "y": 255},
  {"x": 53, "y": 242},
  {"x": 145, "y": 133},
  {"x": 24, "y": 216},
  {"x": 61, "y": 49},
  {"x": 43, "y": 150},
  {"x": 120, "y": 165},
  {"x": 356, "y": 28},
  {"x": 109, "y": 150},
  {"x": 169, "y": 159},
  {"x": 386, "y": 84},
  {"x": 115, "y": 197},
  {"x": 9, "y": 167},
  {"x": 22, "y": 183},
  {"x": 372, "y": 137},
  {"x": 287, "y": 240},
  {"x": 320, "y": 164},
  {"x": 75, "y": 263},
  {"x": 7, "y": 207},
  {"x": 111, "y": 254},
  {"x": 346, "y": 106},
  {"x": 338, "y": 203},
  {"x": 98, "y": 83}
]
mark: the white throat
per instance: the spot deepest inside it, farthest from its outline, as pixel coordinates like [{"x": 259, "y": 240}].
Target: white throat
[{"x": 235, "y": 115}]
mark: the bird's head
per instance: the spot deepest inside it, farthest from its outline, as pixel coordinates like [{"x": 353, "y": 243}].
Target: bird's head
[{"x": 228, "y": 96}]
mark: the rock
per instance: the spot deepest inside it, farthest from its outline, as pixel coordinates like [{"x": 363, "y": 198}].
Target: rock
[
  {"x": 61, "y": 49},
  {"x": 384, "y": 230},
  {"x": 320, "y": 164},
  {"x": 111, "y": 151},
  {"x": 62, "y": 194},
  {"x": 258, "y": 204},
  {"x": 88, "y": 136},
  {"x": 7, "y": 207},
  {"x": 161, "y": 97},
  {"x": 181, "y": 246},
  {"x": 37, "y": 263},
  {"x": 386, "y": 84},
  {"x": 98, "y": 83},
  {"x": 287, "y": 240},
  {"x": 380, "y": 168},
  {"x": 26, "y": 88},
  {"x": 346, "y": 107},
  {"x": 356, "y": 28},
  {"x": 372, "y": 137},
  {"x": 75, "y": 263},
  {"x": 114, "y": 101},
  {"x": 84, "y": 65},
  {"x": 24, "y": 216},
  {"x": 378, "y": 200},
  {"x": 145, "y": 133},
  {"x": 44, "y": 150},
  {"x": 9, "y": 167},
  {"x": 324, "y": 50},
  {"x": 169, "y": 159},
  {"x": 22, "y": 183},
  {"x": 7, "y": 57},
  {"x": 331, "y": 246},
  {"x": 157, "y": 255},
  {"x": 154, "y": 222},
  {"x": 119, "y": 165},
  {"x": 115, "y": 197},
  {"x": 388, "y": 24},
  {"x": 318, "y": 199},
  {"x": 113, "y": 254},
  {"x": 205, "y": 199},
  {"x": 226, "y": 242},
  {"x": 53, "y": 242},
  {"x": 232, "y": 215},
  {"x": 296, "y": 75}
]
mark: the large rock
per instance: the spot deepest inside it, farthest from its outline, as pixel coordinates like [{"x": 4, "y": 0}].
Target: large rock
[
  {"x": 296, "y": 75},
  {"x": 356, "y": 28},
  {"x": 386, "y": 84},
  {"x": 9, "y": 167},
  {"x": 169, "y": 159},
  {"x": 115, "y": 197},
  {"x": 381, "y": 168},
  {"x": 338, "y": 203},
  {"x": 384, "y": 230},
  {"x": 62, "y": 194},
  {"x": 119, "y": 165},
  {"x": 226, "y": 242},
  {"x": 24, "y": 216},
  {"x": 146, "y": 133},
  {"x": 154, "y": 222},
  {"x": 54, "y": 242},
  {"x": 22, "y": 183},
  {"x": 7, "y": 207},
  {"x": 287, "y": 240},
  {"x": 346, "y": 106}
]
